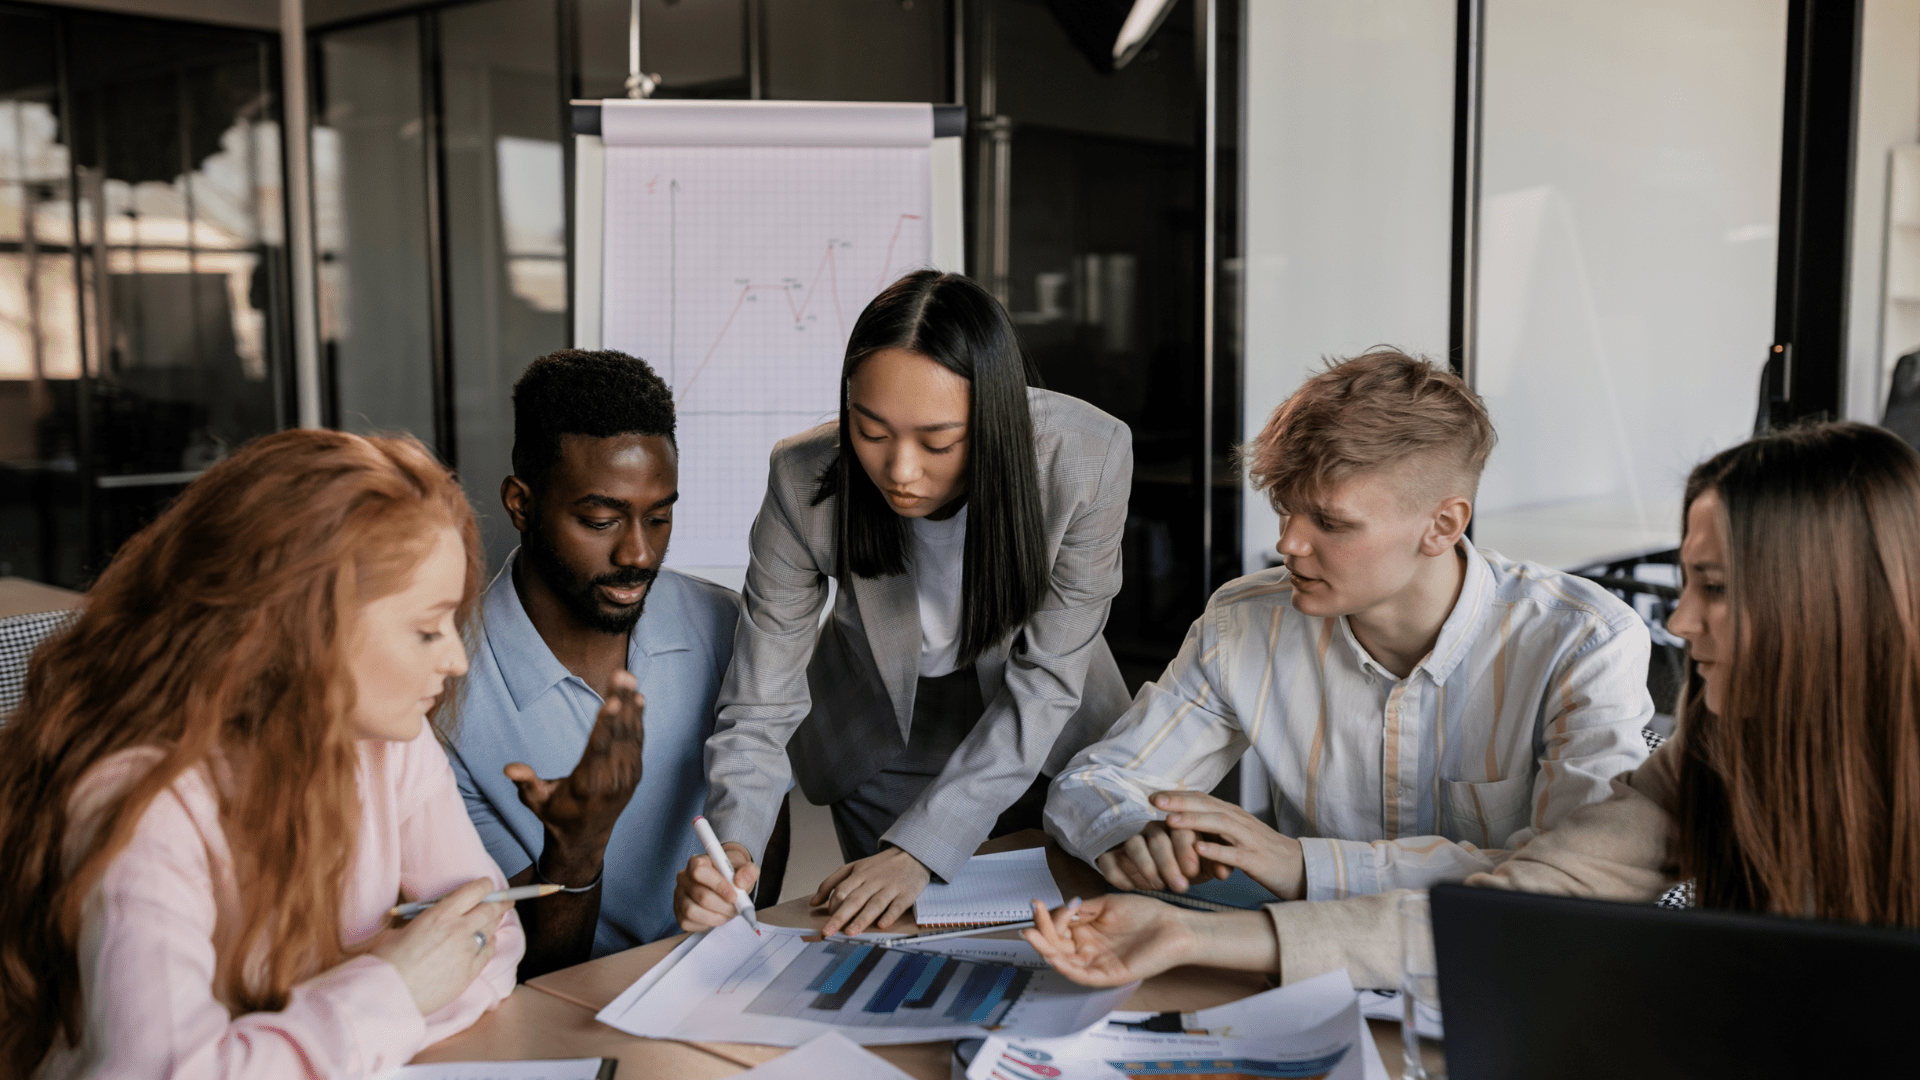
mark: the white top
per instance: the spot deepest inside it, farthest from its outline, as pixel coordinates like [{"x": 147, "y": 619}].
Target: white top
[
  {"x": 939, "y": 553},
  {"x": 1531, "y": 702}
]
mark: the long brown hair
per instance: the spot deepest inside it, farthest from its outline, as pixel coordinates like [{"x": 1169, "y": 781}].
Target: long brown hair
[
  {"x": 214, "y": 637},
  {"x": 1803, "y": 796}
]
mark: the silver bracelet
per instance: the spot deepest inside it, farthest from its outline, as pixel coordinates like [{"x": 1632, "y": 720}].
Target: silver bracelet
[{"x": 588, "y": 887}]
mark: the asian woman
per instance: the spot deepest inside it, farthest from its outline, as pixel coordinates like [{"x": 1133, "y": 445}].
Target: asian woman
[{"x": 972, "y": 521}]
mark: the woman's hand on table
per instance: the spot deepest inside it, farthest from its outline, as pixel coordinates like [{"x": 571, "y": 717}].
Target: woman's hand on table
[
  {"x": 1113, "y": 940},
  {"x": 872, "y": 892},
  {"x": 445, "y": 947},
  {"x": 701, "y": 899}
]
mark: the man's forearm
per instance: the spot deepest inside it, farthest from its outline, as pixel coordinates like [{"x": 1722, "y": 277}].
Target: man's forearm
[{"x": 560, "y": 927}]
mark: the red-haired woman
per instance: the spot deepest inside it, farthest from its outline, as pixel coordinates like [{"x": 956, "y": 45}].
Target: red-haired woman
[
  {"x": 1793, "y": 786},
  {"x": 220, "y": 780}
]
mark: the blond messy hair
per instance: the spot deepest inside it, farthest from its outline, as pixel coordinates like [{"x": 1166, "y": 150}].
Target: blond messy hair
[{"x": 1372, "y": 412}]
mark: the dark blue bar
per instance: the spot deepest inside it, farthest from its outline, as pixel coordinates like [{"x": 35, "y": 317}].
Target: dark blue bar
[
  {"x": 833, "y": 948},
  {"x": 919, "y": 988},
  {"x": 972, "y": 992},
  {"x": 942, "y": 973},
  {"x": 847, "y": 964},
  {"x": 840, "y": 988},
  {"x": 905, "y": 974},
  {"x": 1000, "y": 984}
]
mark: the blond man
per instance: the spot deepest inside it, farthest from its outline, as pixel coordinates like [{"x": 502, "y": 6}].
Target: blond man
[{"x": 1420, "y": 706}]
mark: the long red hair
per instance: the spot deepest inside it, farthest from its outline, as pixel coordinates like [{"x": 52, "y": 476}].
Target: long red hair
[{"x": 216, "y": 631}]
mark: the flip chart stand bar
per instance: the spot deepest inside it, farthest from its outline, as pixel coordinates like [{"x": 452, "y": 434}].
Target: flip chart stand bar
[{"x": 949, "y": 121}]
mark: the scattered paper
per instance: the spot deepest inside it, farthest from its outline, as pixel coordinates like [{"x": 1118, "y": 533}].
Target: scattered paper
[
  {"x": 989, "y": 889},
  {"x": 1389, "y": 1005},
  {"x": 1312, "y": 1029},
  {"x": 830, "y": 1055},
  {"x": 567, "y": 1069},
  {"x": 780, "y": 989}
]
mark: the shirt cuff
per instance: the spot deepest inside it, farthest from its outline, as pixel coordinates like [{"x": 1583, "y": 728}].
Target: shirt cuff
[
  {"x": 943, "y": 858},
  {"x": 1337, "y": 869},
  {"x": 1361, "y": 935},
  {"x": 371, "y": 1006}
]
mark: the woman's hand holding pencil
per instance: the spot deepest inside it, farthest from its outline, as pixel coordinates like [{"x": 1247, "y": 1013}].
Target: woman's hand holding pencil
[
  {"x": 523, "y": 892},
  {"x": 439, "y": 953}
]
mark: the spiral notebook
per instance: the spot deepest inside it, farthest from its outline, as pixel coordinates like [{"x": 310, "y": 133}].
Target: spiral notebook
[{"x": 990, "y": 889}]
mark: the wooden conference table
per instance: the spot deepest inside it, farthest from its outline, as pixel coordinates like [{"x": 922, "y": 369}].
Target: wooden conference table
[{"x": 552, "y": 1016}]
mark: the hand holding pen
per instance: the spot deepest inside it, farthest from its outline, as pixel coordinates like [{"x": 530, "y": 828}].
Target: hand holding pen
[
  {"x": 523, "y": 892},
  {"x": 703, "y": 897},
  {"x": 742, "y": 902},
  {"x": 440, "y": 953}
]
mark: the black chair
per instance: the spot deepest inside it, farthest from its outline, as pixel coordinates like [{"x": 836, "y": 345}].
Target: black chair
[
  {"x": 1902, "y": 415},
  {"x": 19, "y": 636},
  {"x": 1666, "y": 668}
]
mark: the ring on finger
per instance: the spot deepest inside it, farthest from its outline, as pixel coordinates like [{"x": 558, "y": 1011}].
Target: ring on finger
[{"x": 479, "y": 940}]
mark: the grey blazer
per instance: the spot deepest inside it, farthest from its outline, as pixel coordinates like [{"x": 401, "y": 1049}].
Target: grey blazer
[{"x": 836, "y": 702}]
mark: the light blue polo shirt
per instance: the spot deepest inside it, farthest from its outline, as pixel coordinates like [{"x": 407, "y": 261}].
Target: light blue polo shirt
[{"x": 522, "y": 704}]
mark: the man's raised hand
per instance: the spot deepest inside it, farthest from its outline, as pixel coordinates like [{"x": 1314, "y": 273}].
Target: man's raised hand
[{"x": 579, "y": 810}]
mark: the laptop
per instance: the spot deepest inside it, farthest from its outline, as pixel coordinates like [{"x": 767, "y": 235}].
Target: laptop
[{"x": 1543, "y": 986}]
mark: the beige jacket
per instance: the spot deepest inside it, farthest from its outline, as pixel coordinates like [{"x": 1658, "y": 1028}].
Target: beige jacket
[{"x": 1619, "y": 849}]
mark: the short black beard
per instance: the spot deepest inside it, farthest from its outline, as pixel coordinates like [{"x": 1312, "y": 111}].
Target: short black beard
[{"x": 579, "y": 596}]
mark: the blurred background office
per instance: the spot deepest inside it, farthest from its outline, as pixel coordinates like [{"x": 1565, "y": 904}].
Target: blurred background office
[{"x": 1609, "y": 216}]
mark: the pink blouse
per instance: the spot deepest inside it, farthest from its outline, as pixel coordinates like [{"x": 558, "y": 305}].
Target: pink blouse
[{"x": 147, "y": 940}]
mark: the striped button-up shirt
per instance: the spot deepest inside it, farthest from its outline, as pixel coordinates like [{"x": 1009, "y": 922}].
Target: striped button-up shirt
[{"x": 1530, "y": 702}]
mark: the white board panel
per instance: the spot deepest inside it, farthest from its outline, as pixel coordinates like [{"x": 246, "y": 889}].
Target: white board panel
[
  {"x": 737, "y": 269},
  {"x": 589, "y": 191}
]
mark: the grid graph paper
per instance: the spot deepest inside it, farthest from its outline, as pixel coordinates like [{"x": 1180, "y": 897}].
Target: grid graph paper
[{"x": 738, "y": 272}]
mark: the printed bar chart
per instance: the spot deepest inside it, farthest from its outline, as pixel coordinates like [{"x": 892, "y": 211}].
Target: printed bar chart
[{"x": 859, "y": 985}]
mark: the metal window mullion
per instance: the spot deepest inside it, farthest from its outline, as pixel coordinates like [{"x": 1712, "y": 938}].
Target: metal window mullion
[
  {"x": 440, "y": 318},
  {"x": 1207, "y": 16},
  {"x": 1469, "y": 81}
]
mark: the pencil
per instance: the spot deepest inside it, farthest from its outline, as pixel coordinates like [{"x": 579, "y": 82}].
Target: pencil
[{"x": 522, "y": 892}]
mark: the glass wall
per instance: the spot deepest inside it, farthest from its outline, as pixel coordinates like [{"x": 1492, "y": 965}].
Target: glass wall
[
  {"x": 142, "y": 277},
  {"x": 506, "y": 229},
  {"x": 1103, "y": 213},
  {"x": 371, "y": 230},
  {"x": 40, "y": 347},
  {"x": 1630, "y": 193},
  {"x": 1883, "y": 316},
  {"x": 1349, "y": 180}
]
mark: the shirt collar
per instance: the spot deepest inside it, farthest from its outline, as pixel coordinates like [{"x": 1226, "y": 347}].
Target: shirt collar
[
  {"x": 1462, "y": 622},
  {"x": 528, "y": 666}
]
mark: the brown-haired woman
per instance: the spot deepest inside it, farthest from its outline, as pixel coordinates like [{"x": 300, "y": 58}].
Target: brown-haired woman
[
  {"x": 1794, "y": 784},
  {"x": 220, "y": 779}
]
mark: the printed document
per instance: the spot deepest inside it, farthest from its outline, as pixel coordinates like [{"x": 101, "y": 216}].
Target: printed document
[
  {"x": 780, "y": 989},
  {"x": 1312, "y": 1029}
]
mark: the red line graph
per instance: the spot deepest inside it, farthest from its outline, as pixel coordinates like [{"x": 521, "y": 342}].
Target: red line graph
[{"x": 827, "y": 268}]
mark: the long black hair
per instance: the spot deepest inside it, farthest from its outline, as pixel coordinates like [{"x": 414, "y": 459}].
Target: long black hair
[{"x": 960, "y": 326}]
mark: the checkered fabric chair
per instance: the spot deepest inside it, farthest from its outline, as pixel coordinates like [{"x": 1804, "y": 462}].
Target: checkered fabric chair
[
  {"x": 1681, "y": 895},
  {"x": 19, "y": 636}
]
